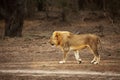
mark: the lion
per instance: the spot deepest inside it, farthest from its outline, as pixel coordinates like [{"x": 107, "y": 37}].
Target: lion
[{"x": 68, "y": 41}]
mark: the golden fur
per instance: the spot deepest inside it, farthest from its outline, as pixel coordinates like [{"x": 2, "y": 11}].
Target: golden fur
[{"x": 69, "y": 41}]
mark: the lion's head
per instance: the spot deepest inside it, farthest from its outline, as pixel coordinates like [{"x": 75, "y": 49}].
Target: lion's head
[{"x": 59, "y": 37}]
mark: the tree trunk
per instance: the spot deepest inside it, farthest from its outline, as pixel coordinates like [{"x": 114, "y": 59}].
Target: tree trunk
[
  {"x": 81, "y": 4},
  {"x": 63, "y": 15},
  {"x": 14, "y": 22}
]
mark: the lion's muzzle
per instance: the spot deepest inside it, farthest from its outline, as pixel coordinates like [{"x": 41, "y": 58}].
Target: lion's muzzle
[{"x": 51, "y": 42}]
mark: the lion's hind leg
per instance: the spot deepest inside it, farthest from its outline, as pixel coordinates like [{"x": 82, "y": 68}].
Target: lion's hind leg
[
  {"x": 79, "y": 60},
  {"x": 94, "y": 50}
]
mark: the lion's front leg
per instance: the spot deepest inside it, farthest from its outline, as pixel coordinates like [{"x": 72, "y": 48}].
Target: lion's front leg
[
  {"x": 64, "y": 57},
  {"x": 65, "y": 48}
]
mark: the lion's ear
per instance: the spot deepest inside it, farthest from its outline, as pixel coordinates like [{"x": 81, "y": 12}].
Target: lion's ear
[{"x": 59, "y": 38}]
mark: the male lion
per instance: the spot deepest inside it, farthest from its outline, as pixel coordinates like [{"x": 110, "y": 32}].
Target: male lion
[{"x": 69, "y": 41}]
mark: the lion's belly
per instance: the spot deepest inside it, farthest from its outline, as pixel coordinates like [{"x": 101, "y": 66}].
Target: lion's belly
[{"x": 78, "y": 47}]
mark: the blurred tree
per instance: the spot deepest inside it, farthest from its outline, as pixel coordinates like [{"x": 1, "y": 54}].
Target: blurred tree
[
  {"x": 13, "y": 13},
  {"x": 63, "y": 4},
  {"x": 73, "y": 5},
  {"x": 41, "y": 5},
  {"x": 30, "y": 8},
  {"x": 80, "y": 4}
]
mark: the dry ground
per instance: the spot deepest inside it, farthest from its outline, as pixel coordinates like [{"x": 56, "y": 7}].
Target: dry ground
[{"x": 32, "y": 57}]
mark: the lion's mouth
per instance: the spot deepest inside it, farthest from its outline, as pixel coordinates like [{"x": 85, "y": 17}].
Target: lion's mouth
[{"x": 52, "y": 44}]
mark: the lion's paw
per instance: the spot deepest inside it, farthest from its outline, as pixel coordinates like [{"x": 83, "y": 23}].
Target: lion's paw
[
  {"x": 95, "y": 62},
  {"x": 61, "y": 62},
  {"x": 79, "y": 61},
  {"x": 92, "y": 62}
]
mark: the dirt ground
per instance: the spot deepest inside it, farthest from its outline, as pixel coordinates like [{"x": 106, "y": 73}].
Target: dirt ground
[{"x": 33, "y": 52}]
